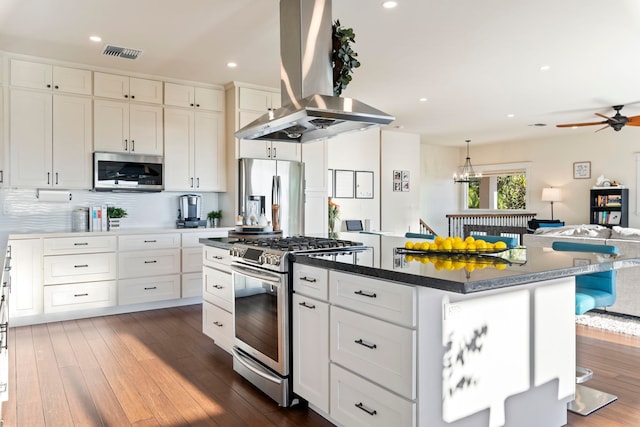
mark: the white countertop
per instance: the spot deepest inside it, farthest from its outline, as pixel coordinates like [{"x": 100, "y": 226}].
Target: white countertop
[{"x": 221, "y": 231}]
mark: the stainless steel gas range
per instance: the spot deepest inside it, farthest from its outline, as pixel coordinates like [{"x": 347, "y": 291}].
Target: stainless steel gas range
[{"x": 262, "y": 313}]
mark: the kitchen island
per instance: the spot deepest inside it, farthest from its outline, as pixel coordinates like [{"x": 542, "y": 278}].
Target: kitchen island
[{"x": 381, "y": 338}]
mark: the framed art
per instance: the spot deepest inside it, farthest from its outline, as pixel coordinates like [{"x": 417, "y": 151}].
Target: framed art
[
  {"x": 364, "y": 185},
  {"x": 581, "y": 170},
  {"x": 343, "y": 182}
]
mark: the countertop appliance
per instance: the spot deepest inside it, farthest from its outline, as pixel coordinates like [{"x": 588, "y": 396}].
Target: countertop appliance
[
  {"x": 309, "y": 110},
  {"x": 262, "y": 313},
  {"x": 190, "y": 212},
  {"x": 127, "y": 172},
  {"x": 279, "y": 186}
]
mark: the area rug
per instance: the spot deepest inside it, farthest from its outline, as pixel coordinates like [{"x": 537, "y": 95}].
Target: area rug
[{"x": 621, "y": 324}]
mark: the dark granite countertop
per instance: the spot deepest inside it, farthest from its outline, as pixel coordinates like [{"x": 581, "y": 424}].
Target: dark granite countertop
[
  {"x": 218, "y": 242},
  {"x": 514, "y": 267}
]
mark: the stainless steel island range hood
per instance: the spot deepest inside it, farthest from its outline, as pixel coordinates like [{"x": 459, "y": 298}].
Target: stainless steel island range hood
[{"x": 309, "y": 111}]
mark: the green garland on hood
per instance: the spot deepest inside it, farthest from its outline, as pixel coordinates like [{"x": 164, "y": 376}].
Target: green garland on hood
[{"x": 343, "y": 57}]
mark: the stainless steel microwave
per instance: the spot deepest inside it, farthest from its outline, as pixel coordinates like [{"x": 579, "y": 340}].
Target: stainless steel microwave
[{"x": 127, "y": 172}]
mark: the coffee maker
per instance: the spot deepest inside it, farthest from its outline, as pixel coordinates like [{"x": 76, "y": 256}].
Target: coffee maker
[{"x": 189, "y": 212}]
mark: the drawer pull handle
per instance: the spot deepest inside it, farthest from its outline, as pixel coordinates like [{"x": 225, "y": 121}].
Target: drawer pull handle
[
  {"x": 80, "y": 295},
  {"x": 151, "y": 288},
  {"x": 217, "y": 257},
  {"x": 362, "y": 343},
  {"x": 81, "y": 266},
  {"x": 371, "y": 412},
  {"x": 81, "y": 244},
  {"x": 366, "y": 294},
  {"x": 304, "y": 304},
  {"x": 150, "y": 262},
  {"x": 218, "y": 287},
  {"x": 150, "y": 241},
  {"x": 218, "y": 324},
  {"x": 308, "y": 279}
]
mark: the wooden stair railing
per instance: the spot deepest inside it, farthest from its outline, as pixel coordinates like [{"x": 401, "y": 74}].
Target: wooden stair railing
[{"x": 425, "y": 229}]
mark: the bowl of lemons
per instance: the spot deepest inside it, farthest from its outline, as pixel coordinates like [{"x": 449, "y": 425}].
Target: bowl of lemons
[{"x": 455, "y": 245}]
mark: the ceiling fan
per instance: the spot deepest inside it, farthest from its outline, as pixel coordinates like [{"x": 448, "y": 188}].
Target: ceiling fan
[{"x": 617, "y": 122}]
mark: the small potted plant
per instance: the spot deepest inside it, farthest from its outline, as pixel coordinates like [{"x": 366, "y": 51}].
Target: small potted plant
[
  {"x": 214, "y": 218},
  {"x": 114, "y": 215}
]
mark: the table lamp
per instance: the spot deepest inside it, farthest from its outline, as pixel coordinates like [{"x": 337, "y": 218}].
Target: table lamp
[{"x": 551, "y": 194}]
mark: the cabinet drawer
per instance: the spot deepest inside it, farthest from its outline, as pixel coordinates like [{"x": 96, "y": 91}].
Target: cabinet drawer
[
  {"x": 192, "y": 285},
  {"x": 192, "y": 239},
  {"x": 79, "y": 296},
  {"x": 358, "y": 402},
  {"x": 79, "y": 268},
  {"x": 386, "y": 300},
  {"x": 216, "y": 258},
  {"x": 218, "y": 325},
  {"x": 136, "y": 242},
  {"x": 148, "y": 263},
  {"x": 74, "y": 245},
  {"x": 218, "y": 288},
  {"x": 311, "y": 281},
  {"x": 380, "y": 351},
  {"x": 147, "y": 289},
  {"x": 191, "y": 260}
]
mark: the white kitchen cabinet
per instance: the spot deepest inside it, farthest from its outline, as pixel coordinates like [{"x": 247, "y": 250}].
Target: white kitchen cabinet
[
  {"x": 127, "y": 127},
  {"x": 3, "y": 125},
  {"x": 273, "y": 150},
  {"x": 314, "y": 156},
  {"x": 26, "y": 278},
  {"x": 129, "y": 88},
  {"x": 218, "y": 288},
  {"x": 217, "y": 292},
  {"x": 148, "y": 289},
  {"x": 50, "y": 140},
  {"x": 80, "y": 296},
  {"x": 217, "y": 324},
  {"x": 191, "y": 285},
  {"x": 260, "y": 100},
  {"x": 134, "y": 242},
  {"x": 148, "y": 263},
  {"x": 79, "y": 245},
  {"x": 311, "y": 350},
  {"x": 192, "y": 255},
  {"x": 194, "y": 150},
  {"x": 36, "y": 75},
  {"x": 78, "y": 268},
  {"x": 200, "y": 98}
]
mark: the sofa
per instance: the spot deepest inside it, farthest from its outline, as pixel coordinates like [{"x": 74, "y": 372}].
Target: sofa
[{"x": 626, "y": 239}]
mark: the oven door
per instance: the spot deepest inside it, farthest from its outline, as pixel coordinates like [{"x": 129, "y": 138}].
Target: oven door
[{"x": 260, "y": 320}]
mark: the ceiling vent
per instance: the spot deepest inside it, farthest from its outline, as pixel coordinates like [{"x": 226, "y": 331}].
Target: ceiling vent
[{"x": 121, "y": 52}]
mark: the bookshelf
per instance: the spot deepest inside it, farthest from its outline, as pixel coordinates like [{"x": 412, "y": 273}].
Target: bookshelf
[{"x": 610, "y": 206}]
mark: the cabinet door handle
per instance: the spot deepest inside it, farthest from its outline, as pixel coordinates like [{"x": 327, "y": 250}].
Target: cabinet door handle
[
  {"x": 365, "y": 344},
  {"x": 49, "y": 86},
  {"x": 81, "y": 244},
  {"x": 80, "y": 295},
  {"x": 191, "y": 104},
  {"x": 274, "y": 153},
  {"x": 269, "y": 152},
  {"x": 191, "y": 182},
  {"x": 1, "y": 176},
  {"x": 371, "y": 412},
  {"x": 151, "y": 262},
  {"x": 81, "y": 266},
  {"x": 56, "y": 87},
  {"x": 133, "y": 97},
  {"x": 218, "y": 287},
  {"x": 126, "y": 96},
  {"x": 218, "y": 324},
  {"x": 197, "y": 105},
  {"x": 304, "y": 304},
  {"x": 366, "y": 294},
  {"x": 56, "y": 178},
  {"x": 48, "y": 178},
  {"x": 217, "y": 257},
  {"x": 198, "y": 182},
  {"x": 150, "y": 241},
  {"x": 133, "y": 145},
  {"x": 150, "y": 288},
  {"x": 308, "y": 279},
  {"x": 126, "y": 145}
]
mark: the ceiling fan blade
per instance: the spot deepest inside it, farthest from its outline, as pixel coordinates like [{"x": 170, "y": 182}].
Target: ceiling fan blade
[
  {"x": 607, "y": 117},
  {"x": 633, "y": 121},
  {"x": 570, "y": 125},
  {"x": 602, "y": 128}
]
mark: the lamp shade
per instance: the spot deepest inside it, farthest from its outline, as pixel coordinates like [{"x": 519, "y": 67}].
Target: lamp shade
[{"x": 551, "y": 194}]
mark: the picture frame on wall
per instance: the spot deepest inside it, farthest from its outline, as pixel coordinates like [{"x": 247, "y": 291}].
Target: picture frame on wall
[
  {"x": 364, "y": 185},
  {"x": 581, "y": 170},
  {"x": 344, "y": 184}
]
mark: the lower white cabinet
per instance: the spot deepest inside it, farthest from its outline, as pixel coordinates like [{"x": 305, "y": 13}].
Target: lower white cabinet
[
  {"x": 80, "y": 296},
  {"x": 77, "y": 268},
  {"x": 148, "y": 263},
  {"x": 311, "y": 350},
  {"x": 217, "y": 324},
  {"x": 191, "y": 285},
  {"x": 147, "y": 289},
  {"x": 26, "y": 278},
  {"x": 217, "y": 293},
  {"x": 218, "y": 288},
  {"x": 358, "y": 402}
]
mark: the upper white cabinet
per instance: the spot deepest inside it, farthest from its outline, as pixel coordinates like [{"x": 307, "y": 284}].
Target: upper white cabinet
[
  {"x": 127, "y": 127},
  {"x": 50, "y": 137},
  {"x": 194, "y": 150},
  {"x": 3, "y": 165},
  {"x": 127, "y": 88},
  {"x": 178, "y": 95},
  {"x": 50, "y": 77},
  {"x": 258, "y": 99}
]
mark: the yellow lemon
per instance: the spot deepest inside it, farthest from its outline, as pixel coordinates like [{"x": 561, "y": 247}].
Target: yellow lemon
[
  {"x": 447, "y": 245},
  {"x": 424, "y": 246},
  {"x": 457, "y": 239},
  {"x": 438, "y": 240},
  {"x": 500, "y": 245},
  {"x": 408, "y": 245},
  {"x": 471, "y": 247},
  {"x": 481, "y": 244},
  {"x": 469, "y": 239},
  {"x": 459, "y": 245},
  {"x": 500, "y": 266},
  {"x": 433, "y": 247}
]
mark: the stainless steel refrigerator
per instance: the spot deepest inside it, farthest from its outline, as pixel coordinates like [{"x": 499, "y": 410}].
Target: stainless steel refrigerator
[{"x": 268, "y": 183}]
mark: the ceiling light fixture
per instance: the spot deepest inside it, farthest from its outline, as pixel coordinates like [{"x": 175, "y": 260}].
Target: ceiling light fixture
[
  {"x": 95, "y": 39},
  {"x": 466, "y": 172},
  {"x": 423, "y": 100},
  {"x": 232, "y": 64},
  {"x": 389, "y": 4},
  {"x": 545, "y": 68},
  {"x": 511, "y": 115}
]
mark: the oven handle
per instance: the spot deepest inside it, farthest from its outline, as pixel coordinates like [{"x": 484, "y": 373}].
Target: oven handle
[
  {"x": 247, "y": 363},
  {"x": 256, "y": 274}
]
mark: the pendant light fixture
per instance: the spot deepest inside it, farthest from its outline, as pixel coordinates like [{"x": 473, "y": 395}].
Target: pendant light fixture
[{"x": 466, "y": 172}]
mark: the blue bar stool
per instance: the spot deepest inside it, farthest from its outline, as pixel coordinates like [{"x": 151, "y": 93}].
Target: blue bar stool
[
  {"x": 419, "y": 236},
  {"x": 592, "y": 290}
]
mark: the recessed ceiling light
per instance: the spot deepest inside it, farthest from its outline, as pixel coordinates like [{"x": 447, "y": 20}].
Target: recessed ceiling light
[
  {"x": 545, "y": 68},
  {"x": 423, "y": 99},
  {"x": 389, "y": 4},
  {"x": 95, "y": 39},
  {"x": 232, "y": 64},
  {"x": 511, "y": 115}
]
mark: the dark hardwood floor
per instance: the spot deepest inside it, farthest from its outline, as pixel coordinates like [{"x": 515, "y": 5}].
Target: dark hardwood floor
[{"x": 156, "y": 368}]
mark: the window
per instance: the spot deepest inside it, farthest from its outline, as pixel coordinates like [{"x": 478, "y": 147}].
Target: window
[{"x": 502, "y": 187}]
